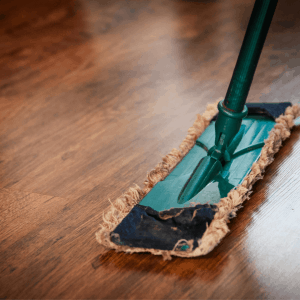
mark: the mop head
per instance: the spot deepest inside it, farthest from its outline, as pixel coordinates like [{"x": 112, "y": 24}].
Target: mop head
[{"x": 195, "y": 230}]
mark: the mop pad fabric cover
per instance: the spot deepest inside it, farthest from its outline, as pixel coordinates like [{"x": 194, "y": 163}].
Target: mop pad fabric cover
[
  {"x": 188, "y": 231},
  {"x": 167, "y": 230}
]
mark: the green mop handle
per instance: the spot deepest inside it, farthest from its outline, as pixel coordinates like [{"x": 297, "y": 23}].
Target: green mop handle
[
  {"x": 232, "y": 109},
  {"x": 254, "y": 39}
]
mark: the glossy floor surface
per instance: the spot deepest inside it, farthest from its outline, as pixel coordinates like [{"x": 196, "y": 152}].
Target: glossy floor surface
[{"x": 93, "y": 94}]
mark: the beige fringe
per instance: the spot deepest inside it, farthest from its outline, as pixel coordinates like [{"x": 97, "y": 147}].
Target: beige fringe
[{"x": 227, "y": 206}]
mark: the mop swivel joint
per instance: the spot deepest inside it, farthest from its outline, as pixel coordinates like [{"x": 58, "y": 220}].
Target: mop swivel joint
[{"x": 227, "y": 126}]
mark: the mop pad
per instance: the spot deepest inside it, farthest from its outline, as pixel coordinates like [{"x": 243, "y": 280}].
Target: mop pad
[{"x": 194, "y": 230}]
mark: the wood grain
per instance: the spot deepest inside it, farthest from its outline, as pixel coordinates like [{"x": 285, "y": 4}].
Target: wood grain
[{"x": 92, "y": 95}]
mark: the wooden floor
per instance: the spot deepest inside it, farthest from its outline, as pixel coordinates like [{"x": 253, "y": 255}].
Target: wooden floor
[{"x": 93, "y": 94}]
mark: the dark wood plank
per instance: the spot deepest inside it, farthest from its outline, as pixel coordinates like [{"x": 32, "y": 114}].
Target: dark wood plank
[{"x": 93, "y": 94}]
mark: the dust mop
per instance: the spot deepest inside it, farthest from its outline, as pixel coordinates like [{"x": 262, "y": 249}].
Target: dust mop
[{"x": 188, "y": 199}]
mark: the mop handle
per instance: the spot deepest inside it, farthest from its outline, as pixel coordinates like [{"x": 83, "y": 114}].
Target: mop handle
[{"x": 254, "y": 39}]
